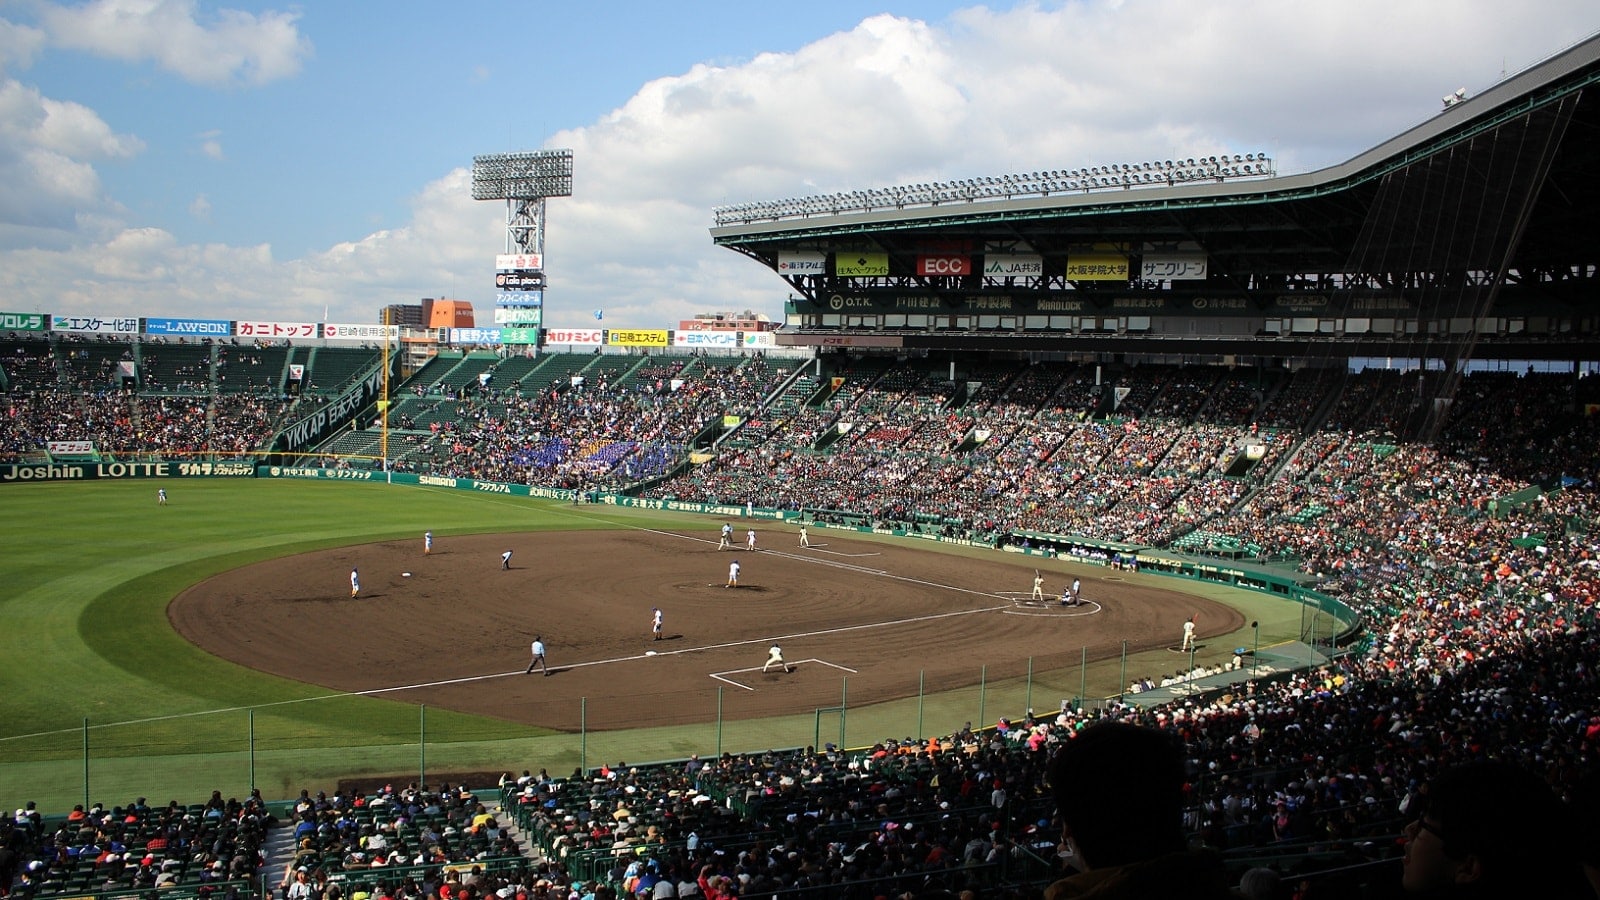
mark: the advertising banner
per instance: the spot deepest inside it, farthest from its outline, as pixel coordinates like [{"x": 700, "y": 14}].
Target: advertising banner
[
  {"x": 70, "y": 448},
  {"x": 94, "y": 471},
  {"x": 637, "y": 337},
  {"x": 287, "y": 330},
  {"x": 473, "y": 336},
  {"x": 575, "y": 336},
  {"x": 861, "y": 265},
  {"x": 209, "y": 327},
  {"x": 511, "y": 262},
  {"x": 1173, "y": 267},
  {"x": 1097, "y": 267},
  {"x": 513, "y": 335},
  {"x": 705, "y": 339},
  {"x": 944, "y": 265},
  {"x": 95, "y": 324},
  {"x": 802, "y": 263},
  {"x": 519, "y": 281},
  {"x": 519, "y": 298},
  {"x": 1013, "y": 265},
  {"x": 341, "y": 332},
  {"x": 12, "y": 321},
  {"x": 759, "y": 339},
  {"x": 518, "y": 315}
]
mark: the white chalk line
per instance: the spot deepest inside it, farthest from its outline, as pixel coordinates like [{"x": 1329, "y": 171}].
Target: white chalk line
[{"x": 789, "y": 665}]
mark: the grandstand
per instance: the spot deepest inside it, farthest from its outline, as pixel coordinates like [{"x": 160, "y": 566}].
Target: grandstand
[{"x": 1368, "y": 396}]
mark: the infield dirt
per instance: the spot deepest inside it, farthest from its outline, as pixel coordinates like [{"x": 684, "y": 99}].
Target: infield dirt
[{"x": 893, "y": 618}]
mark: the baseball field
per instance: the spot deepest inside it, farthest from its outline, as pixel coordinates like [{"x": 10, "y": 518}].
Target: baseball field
[{"x": 212, "y": 643}]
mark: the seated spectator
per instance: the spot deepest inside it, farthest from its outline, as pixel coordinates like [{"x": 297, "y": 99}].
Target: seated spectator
[
  {"x": 1119, "y": 791},
  {"x": 1492, "y": 830}
]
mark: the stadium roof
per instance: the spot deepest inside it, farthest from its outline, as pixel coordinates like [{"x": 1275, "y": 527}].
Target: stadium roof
[{"x": 1497, "y": 190}]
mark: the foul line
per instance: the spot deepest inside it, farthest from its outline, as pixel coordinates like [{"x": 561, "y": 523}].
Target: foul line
[{"x": 798, "y": 662}]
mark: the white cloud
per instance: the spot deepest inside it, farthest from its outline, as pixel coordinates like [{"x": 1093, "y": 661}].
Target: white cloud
[
  {"x": 200, "y": 208},
  {"x": 211, "y": 145},
  {"x": 228, "y": 47},
  {"x": 19, "y": 45},
  {"x": 47, "y": 177}
]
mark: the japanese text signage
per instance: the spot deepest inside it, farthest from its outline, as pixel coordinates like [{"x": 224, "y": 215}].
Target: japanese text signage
[
  {"x": 10, "y": 321},
  {"x": 95, "y": 324},
  {"x": 284, "y": 330}
]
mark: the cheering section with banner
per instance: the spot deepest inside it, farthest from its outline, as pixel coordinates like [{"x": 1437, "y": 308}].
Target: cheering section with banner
[{"x": 307, "y": 431}]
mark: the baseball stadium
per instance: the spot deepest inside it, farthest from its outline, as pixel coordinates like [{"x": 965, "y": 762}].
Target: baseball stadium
[{"x": 1298, "y": 470}]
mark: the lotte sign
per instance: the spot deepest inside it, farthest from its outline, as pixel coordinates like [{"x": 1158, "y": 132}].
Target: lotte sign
[{"x": 944, "y": 265}]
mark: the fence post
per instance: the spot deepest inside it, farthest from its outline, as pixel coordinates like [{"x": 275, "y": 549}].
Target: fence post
[
  {"x": 719, "y": 721},
  {"x": 922, "y": 675},
  {"x": 85, "y": 762},
  {"x": 252, "y": 713},
  {"x": 1083, "y": 678},
  {"x": 1028, "y": 697},
  {"x": 583, "y": 732},
  {"x": 983, "y": 693},
  {"x": 1122, "y": 680},
  {"x": 422, "y": 746}
]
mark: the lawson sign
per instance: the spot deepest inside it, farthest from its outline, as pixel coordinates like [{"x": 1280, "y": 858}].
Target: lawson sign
[{"x": 182, "y": 327}]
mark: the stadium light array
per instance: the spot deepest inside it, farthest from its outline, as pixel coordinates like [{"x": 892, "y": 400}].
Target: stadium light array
[
  {"x": 1125, "y": 176},
  {"x": 522, "y": 176}
]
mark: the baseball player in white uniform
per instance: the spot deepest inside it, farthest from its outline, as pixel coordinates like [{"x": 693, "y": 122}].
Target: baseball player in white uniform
[{"x": 775, "y": 658}]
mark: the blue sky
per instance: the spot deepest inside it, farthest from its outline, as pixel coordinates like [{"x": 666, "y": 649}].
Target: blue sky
[{"x": 273, "y": 161}]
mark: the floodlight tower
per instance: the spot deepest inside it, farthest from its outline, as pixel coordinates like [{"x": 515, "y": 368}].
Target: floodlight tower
[{"x": 524, "y": 181}]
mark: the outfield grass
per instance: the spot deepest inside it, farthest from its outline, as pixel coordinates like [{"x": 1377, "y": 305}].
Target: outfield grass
[{"x": 91, "y": 661}]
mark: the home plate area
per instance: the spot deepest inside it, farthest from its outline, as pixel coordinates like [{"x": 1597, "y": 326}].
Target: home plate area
[
  {"x": 732, "y": 676},
  {"x": 1023, "y": 604}
]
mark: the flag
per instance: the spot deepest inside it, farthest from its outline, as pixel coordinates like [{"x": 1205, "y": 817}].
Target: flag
[{"x": 599, "y": 314}]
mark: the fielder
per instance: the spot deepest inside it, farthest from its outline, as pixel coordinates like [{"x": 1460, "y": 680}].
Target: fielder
[
  {"x": 655, "y": 622},
  {"x": 355, "y": 583},
  {"x": 727, "y": 537},
  {"x": 1188, "y": 634},
  {"x": 775, "y": 658},
  {"x": 750, "y": 540},
  {"x": 804, "y": 540},
  {"x": 505, "y": 560},
  {"x": 733, "y": 575},
  {"x": 161, "y": 496},
  {"x": 427, "y": 543}
]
